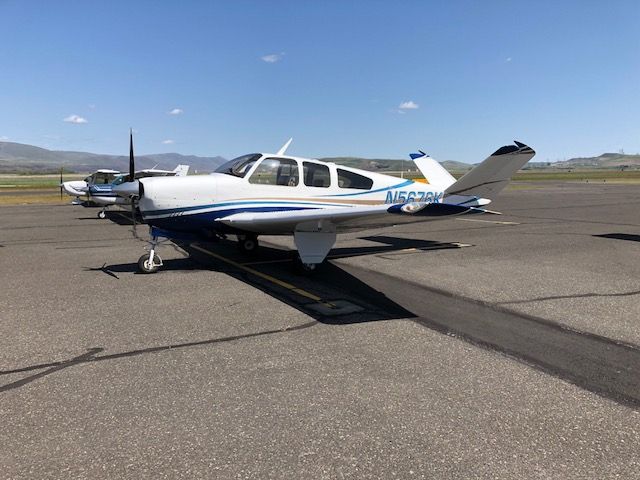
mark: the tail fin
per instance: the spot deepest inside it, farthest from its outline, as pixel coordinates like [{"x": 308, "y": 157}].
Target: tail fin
[
  {"x": 181, "y": 170},
  {"x": 492, "y": 175},
  {"x": 433, "y": 172}
]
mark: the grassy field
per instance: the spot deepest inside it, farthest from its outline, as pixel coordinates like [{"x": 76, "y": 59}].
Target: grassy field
[{"x": 35, "y": 182}]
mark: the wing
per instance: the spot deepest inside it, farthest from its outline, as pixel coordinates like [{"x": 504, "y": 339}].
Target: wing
[{"x": 343, "y": 218}]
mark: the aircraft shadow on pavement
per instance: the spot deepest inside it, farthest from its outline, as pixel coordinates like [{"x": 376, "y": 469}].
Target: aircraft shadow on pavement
[
  {"x": 620, "y": 236},
  {"x": 330, "y": 295},
  {"x": 604, "y": 366}
]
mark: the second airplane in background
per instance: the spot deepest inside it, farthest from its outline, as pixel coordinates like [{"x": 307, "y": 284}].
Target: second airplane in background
[{"x": 97, "y": 188}]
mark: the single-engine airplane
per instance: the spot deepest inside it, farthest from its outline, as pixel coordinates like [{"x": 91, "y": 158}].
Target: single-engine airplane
[
  {"x": 277, "y": 194},
  {"x": 98, "y": 187}
]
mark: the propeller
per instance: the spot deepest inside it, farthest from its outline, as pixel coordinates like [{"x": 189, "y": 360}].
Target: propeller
[
  {"x": 61, "y": 184},
  {"x": 132, "y": 167},
  {"x": 132, "y": 174}
]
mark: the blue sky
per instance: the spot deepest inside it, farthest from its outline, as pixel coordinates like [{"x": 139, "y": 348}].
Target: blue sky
[{"x": 562, "y": 76}]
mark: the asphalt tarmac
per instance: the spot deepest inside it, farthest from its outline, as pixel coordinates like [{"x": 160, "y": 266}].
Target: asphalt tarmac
[{"x": 485, "y": 347}]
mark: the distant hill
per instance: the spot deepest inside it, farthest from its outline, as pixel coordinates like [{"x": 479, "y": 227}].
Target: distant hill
[
  {"x": 606, "y": 160},
  {"x": 17, "y": 157},
  {"x": 20, "y": 158}
]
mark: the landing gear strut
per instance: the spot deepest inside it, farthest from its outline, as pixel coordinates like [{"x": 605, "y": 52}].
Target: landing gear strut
[
  {"x": 248, "y": 243},
  {"x": 150, "y": 262}
]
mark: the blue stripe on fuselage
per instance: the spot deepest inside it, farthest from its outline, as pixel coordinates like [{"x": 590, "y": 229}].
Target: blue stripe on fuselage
[
  {"x": 169, "y": 211},
  {"x": 197, "y": 222}
]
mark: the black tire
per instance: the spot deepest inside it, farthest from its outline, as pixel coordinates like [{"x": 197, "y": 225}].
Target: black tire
[
  {"x": 305, "y": 269},
  {"x": 248, "y": 243},
  {"x": 143, "y": 264}
]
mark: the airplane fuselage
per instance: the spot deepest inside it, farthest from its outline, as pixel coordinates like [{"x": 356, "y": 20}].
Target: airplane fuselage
[{"x": 196, "y": 203}]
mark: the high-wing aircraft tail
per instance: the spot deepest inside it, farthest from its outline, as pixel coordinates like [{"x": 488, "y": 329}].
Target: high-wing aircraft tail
[
  {"x": 432, "y": 170},
  {"x": 492, "y": 175},
  {"x": 181, "y": 170}
]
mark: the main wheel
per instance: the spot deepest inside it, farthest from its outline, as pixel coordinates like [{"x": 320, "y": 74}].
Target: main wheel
[
  {"x": 248, "y": 243},
  {"x": 305, "y": 268},
  {"x": 102, "y": 214},
  {"x": 145, "y": 267}
]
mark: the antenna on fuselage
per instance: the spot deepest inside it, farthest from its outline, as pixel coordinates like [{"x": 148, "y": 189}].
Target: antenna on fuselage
[{"x": 284, "y": 147}]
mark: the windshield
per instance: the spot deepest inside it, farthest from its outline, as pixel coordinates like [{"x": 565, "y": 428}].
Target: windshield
[{"x": 238, "y": 167}]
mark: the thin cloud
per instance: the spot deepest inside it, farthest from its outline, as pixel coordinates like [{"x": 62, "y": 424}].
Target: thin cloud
[
  {"x": 508, "y": 59},
  {"x": 272, "y": 57},
  {"x": 168, "y": 141},
  {"x": 77, "y": 119},
  {"x": 410, "y": 105},
  {"x": 176, "y": 111}
]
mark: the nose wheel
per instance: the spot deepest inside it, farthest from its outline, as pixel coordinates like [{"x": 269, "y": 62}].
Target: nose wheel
[
  {"x": 150, "y": 262},
  {"x": 102, "y": 214},
  {"x": 146, "y": 264}
]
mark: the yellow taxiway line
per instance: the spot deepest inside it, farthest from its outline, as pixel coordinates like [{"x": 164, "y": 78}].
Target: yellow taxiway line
[
  {"x": 269, "y": 278},
  {"x": 487, "y": 221}
]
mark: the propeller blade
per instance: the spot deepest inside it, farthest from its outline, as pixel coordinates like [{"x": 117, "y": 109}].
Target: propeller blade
[
  {"x": 133, "y": 217},
  {"x": 132, "y": 169},
  {"x": 60, "y": 183}
]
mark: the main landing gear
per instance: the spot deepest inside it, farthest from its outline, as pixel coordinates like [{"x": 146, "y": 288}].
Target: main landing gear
[
  {"x": 248, "y": 243},
  {"x": 150, "y": 262},
  {"x": 302, "y": 268}
]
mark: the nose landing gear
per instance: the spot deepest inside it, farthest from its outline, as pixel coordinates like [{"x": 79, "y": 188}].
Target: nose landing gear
[{"x": 150, "y": 262}]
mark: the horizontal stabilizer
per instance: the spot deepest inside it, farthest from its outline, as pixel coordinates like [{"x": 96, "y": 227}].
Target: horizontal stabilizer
[
  {"x": 492, "y": 175},
  {"x": 181, "y": 170}
]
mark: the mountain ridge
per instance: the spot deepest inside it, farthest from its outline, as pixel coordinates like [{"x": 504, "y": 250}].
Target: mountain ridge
[{"x": 23, "y": 158}]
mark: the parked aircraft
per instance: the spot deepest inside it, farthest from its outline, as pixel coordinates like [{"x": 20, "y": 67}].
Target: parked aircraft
[
  {"x": 98, "y": 187},
  {"x": 277, "y": 194}
]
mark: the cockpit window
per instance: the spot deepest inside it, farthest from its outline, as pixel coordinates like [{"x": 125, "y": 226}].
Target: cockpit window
[
  {"x": 102, "y": 178},
  {"x": 316, "y": 175},
  {"x": 238, "y": 167},
  {"x": 276, "y": 171}
]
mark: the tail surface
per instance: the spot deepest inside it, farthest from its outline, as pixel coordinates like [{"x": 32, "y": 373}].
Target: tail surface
[
  {"x": 433, "y": 172},
  {"x": 491, "y": 176},
  {"x": 181, "y": 170}
]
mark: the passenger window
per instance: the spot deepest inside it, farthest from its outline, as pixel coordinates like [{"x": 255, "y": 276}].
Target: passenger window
[
  {"x": 348, "y": 179},
  {"x": 316, "y": 175},
  {"x": 276, "y": 171}
]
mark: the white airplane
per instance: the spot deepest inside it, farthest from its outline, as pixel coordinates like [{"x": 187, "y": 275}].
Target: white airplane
[
  {"x": 277, "y": 194},
  {"x": 98, "y": 187}
]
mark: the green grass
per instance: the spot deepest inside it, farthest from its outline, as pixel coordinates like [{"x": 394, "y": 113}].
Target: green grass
[
  {"x": 34, "y": 182},
  {"x": 628, "y": 176}
]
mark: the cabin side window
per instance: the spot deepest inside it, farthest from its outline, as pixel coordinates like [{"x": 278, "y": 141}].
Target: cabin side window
[
  {"x": 276, "y": 171},
  {"x": 348, "y": 179},
  {"x": 316, "y": 175}
]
